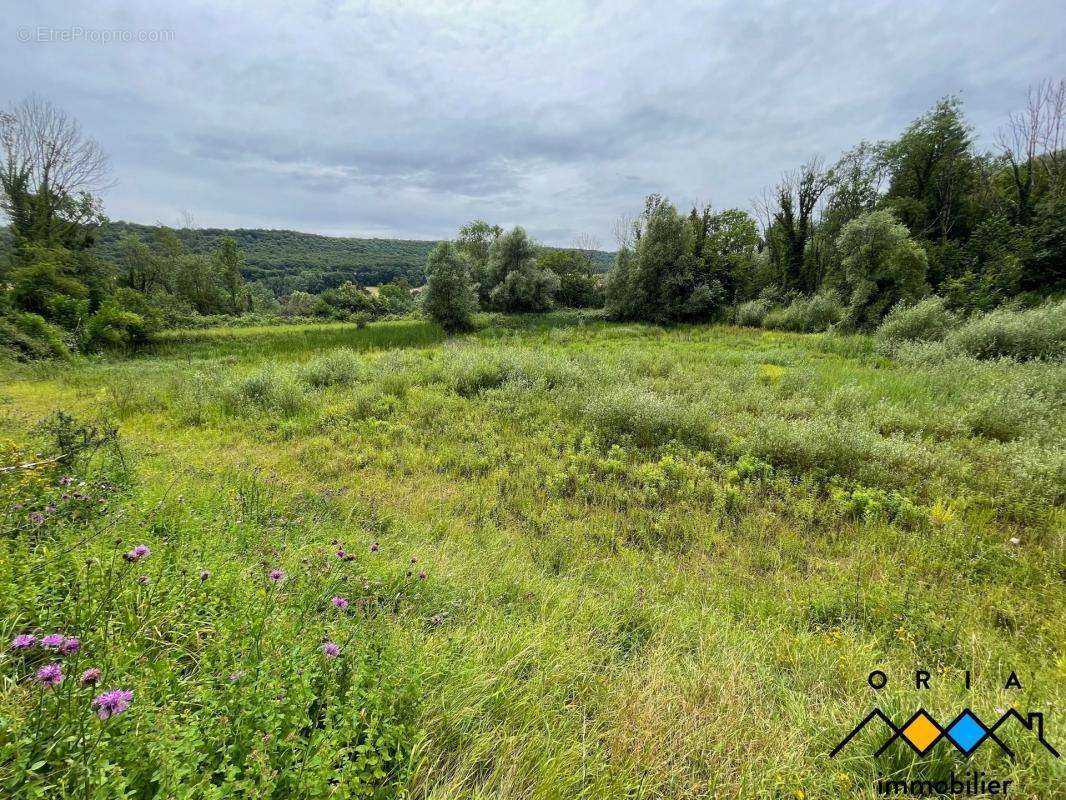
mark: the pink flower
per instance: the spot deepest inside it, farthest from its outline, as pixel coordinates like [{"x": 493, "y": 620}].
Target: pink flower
[
  {"x": 112, "y": 702},
  {"x": 50, "y": 675},
  {"x": 340, "y": 602},
  {"x": 90, "y": 677},
  {"x": 52, "y": 641},
  {"x": 70, "y": 645},
  {"x": 276, "y": 576},
  {"x": 331, "y": 649}
]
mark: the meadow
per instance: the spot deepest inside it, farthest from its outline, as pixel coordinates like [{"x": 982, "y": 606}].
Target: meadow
[{"x": 553, "y": 558}]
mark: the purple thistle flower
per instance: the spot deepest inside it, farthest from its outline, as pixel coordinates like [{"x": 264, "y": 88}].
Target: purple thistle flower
[
  {"x": 276, "y": 576},
  {"x": 204, "y": 575},
  {"x": 331, "y": 649},
  {"x": 36, "y": 517},
  {"x": 66, "y": 480},
  {"x": 50, "y": 508},
  {"x": 143, "y": 580},
  {"x": 70, "y": 645},
  {"x": 52, "y": 641},
  {"x": 375, "y": 547},
  {"x": 340, "y": 603},
  {"x": 422, "y": 575},
  {"x": 90, "y": 677},
  {"x": 137, "y": 553},
  {"x": 50, "y": 675},
  {"x": 23, "y": 641},
  {"x": 341, "y": 554},
  {"x": 236, "y": 676},
  {"x": 112, "y": 702}
]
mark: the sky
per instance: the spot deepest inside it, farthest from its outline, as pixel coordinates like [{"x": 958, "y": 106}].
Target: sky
[{"x": 405, "y": 120}]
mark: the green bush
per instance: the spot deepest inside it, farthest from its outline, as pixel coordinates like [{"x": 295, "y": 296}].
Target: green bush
[
  {"x": 29, "y": 337},
  {"x": 644, "y": 417},
  {"x": 752, "y": 313},
  {"x": 1036, "y": 333},
  {"x": 928, "y": 320},
  {"x": 812, "y": 314},
  {"x": 339, "y": 367},
  {"x": 265, "y": 390},
  {"x": 114, "y": 328}
]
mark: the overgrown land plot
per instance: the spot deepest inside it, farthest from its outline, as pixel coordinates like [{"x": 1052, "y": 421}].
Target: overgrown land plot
[{"x": 550, "y": 559}]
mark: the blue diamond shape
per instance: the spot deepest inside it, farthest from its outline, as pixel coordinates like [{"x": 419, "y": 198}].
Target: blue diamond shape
[{"x": 967, "y": 732}]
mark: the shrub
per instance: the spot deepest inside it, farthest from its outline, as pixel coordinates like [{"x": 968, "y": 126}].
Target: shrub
[
  {"x": 928, "y": 320},
  {"x": 644, "y": 417},
  {"x": 29, "y": 337},
  {"x": 1037, "y": 333},
  {"x": 337, "y": 368},
  {"x": 812, "y": 314},
  {"x": 114, "y": 328},
  {"x": 752, "y": 313},
  {"x": 265, "y": 390}
]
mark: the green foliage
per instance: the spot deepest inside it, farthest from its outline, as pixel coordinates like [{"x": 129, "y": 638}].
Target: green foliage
[
  {"x": 450, "y": 297},
  {"x": 28, "y": 337},
  {"x": 115, "y": 327},
  {"x": 882, "y": 266},
  {"x": 813, "y": 314},
  {"x": 753, "y": 312},
  {"x": 667, "y": 277},
  {"x": 1037, "y": 333},
  {"x": 928, "y": 320}
]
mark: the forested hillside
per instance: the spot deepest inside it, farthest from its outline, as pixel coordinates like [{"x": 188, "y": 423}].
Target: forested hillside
[{"x": 289, "y": 261}]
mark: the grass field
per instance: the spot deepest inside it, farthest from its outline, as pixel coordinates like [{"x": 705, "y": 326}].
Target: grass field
[{"x": 580, "y": 560}]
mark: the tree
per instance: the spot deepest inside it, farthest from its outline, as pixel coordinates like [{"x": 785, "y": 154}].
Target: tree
[
  {"x": 882, "y": 266},
  {"x": 526, "y": 289},
  {"x": 789, "y": 212},
  {"x": 664, "y": 278},
  {"x": 49, "y": 173},
  {"x": 932, "y": 170},
  {"x": 450, "y": 298},
  {"x": 1034, "y": 145},
  {"x": 577, "y": 282},
  {"x": 229, "y": 261},
  {"x": 474, "y": 243}
]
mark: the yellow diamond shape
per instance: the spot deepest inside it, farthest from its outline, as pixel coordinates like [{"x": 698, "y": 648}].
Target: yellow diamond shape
[{"x": 922, "y": 732}]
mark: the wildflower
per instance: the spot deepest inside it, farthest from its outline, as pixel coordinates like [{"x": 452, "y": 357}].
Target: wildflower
[
  {"x": 50, "y": 508},
  {"x": 52, "y": 641},
  {"x": 112, "y": 702},
  {"x": 276, "y": 576},
  {"x": 137, "y": 553},
  {"x": 36, "y": 517},
  {"x": 204, "y": 575},
  {"x": 143, "y": 580},
  {"x": 375, "y": 547},
  {"x": 90, "y": 677},
  {"x": 50, "y": 675},
  {"x": 66, "y": 480},
  {"x": 340, "y": 603},
  {"x": 236, "y": 676},
  {"x": 422, "y": 575},
  {"x": 414, "y": 560},
  {"x": 341, "y": 554},
  {"x": 70, "y": 645},
  {"x": 331, "y": 649},
  {"x": 23, "y": 641},
  {"x": 1015, "y": 540}
]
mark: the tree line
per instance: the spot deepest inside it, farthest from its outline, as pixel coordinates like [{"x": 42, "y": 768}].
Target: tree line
[{"x": 838, "y": 246}]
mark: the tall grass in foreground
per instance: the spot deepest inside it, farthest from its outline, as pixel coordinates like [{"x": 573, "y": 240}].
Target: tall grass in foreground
[{"x": 657, "y": 564}]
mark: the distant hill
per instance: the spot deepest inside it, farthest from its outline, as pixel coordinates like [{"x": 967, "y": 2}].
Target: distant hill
[{"x": 288, "y": 260}]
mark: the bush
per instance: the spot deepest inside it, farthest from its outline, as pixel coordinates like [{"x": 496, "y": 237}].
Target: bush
[
  {"x": 929, "y": 320},
  {"x": 752, "y": 313},
  {"x": 450, "y": 296},
  {"x": 114, "y": 328},
  {"x": 1037, "y": 333},
  {"x": 337, "y": 368},
  {"x": 812, "y": 314},
  {"x": 29, "y": 337},
  {"x": 265, "y": 390},
  {"x": 644, "y": 417}
]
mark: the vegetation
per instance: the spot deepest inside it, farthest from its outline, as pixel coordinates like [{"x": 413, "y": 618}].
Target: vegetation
[{"x": 340, "y": 561}]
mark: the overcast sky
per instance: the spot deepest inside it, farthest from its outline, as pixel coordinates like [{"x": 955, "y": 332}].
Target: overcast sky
[{"x": 407, "y": 119}]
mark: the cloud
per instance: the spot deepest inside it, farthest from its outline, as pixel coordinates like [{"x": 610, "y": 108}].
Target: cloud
[{"x": 390, "y": 119}]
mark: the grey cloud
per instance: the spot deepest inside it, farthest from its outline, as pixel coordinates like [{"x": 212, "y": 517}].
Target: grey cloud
[{"x": 375, "y": 118}]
